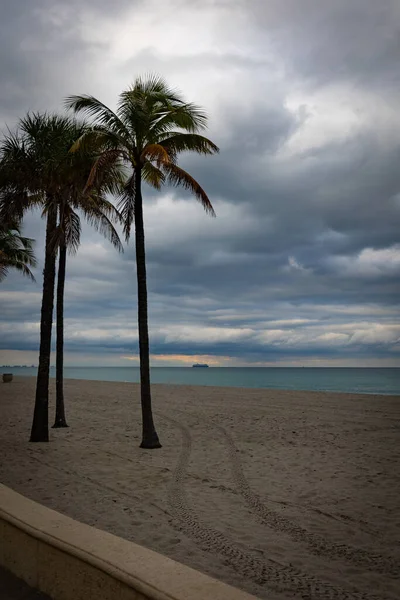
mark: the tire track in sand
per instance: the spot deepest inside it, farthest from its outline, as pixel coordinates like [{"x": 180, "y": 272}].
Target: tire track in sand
[
  {"x": 315, "y": 543},
  {"x": 263, "y": 572}
]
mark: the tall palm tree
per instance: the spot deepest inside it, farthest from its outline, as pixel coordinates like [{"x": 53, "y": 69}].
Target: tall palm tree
[
  {"x": 16, "y": 251},
  {"x": 30, "y": 177},
  {"x": 151, "y": 126},
  {"x": 37, "y": 170}
]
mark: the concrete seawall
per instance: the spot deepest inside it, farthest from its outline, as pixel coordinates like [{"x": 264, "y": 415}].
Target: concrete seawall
[{"x": 69, "y": 560}]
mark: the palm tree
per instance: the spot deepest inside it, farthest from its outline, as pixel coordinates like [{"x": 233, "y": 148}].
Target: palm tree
[
  {"x": 29, "y": 177},
  {"x": 16, "y": 252},
  {"x": 151, "y": 126},
  {"x": 97, "y": 211},
  {"x": 37, "y": 170}
]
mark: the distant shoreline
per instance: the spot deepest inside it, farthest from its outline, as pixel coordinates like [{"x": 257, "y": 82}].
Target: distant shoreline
[
  {"x": 221, "y": 387},
  {"x": 190, "y": 366}
]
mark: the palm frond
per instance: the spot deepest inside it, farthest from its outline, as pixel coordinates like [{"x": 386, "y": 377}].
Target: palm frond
[
  {"x": 97, "y": 202},
  {"x": 126, "y": 204},
  {"x": 102, "y": 163},
  {"x": 148, "y": 92},
  {"x": 15, "y": 202},
  {"x": 18, "y": 266},
  {"x": 112, "y": 180},
  {"x": 25, "y": 255},
  {"x": 152, "y": 175},
  {"x": 19, "y": 177},
  {"x": 178, "y": 177},
  {"x": 154, "y": 85},
  {"x": 101, "y": 114},
  {"x": 13, "y": 152},
  {"x": 177, "y": 142},
  {"x": 40, "y": 125},
  {"x": 25, "y": 270},
  {"x": 16, "y": 251},
  {"x": 17, "y": 247},
  {"x": 98, "y": 139},
  {"x": 156, "y": 153},
  {"x": 189, "y": 117},
  {"x": 101, "y": 223},
  {"x": 72, "y": 230}
]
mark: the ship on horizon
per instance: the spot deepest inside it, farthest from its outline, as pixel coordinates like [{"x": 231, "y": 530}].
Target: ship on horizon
[{"x": 201, "y": 365}]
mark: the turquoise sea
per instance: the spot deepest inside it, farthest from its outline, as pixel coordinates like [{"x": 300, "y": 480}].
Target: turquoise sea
[{"x": 355, "y": 380}]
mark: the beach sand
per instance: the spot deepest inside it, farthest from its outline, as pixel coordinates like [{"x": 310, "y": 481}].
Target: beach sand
[{"x": 282, "y": 494}]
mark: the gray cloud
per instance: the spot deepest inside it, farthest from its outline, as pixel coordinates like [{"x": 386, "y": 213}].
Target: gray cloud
[
  {"x": 303, "y": 260},
  {"x": 357, "y": 42}
]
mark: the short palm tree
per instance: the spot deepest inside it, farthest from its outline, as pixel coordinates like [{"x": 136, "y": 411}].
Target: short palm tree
[
  {"x": 37, "y": 170},
  {"x": 151, "y": 127},
  {"x": 16, "y": 251},
  {"x": 98, "y": 212}
]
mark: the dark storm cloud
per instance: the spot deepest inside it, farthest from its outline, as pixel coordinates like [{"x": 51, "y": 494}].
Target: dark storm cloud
[{"x": 303, "y": 260}]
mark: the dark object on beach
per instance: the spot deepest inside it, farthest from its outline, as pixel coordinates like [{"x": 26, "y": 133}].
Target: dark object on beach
[{"x": 7, "y": 377}]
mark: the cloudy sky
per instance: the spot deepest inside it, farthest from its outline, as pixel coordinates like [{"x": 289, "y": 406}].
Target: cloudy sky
[{"x": 302, "y": 264}]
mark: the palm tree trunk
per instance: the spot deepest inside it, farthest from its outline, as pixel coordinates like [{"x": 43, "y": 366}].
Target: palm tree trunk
[
  {"x": 60, "y": 420},
  {"x": 40, "y": 424},
  {"x": 149, "y": 434}
]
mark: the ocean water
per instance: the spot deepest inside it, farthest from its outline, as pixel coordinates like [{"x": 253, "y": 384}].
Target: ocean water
[{"x": 355, "y": 380}]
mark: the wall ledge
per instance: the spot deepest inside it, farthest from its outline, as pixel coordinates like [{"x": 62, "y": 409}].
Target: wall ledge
[{"x": 69, "y": 560}]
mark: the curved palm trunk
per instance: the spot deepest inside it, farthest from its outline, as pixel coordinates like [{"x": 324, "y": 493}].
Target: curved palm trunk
[
  {"x": 40, "y": 424},
  {"x": 60, "y": 420},
  {"x": 149, "y": 434}
]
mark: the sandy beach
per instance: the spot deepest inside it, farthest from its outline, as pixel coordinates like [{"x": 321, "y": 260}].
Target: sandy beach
[{"x": 282, "y": 494}]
